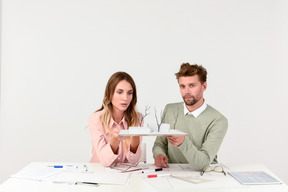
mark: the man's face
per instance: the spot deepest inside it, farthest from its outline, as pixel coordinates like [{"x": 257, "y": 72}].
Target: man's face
[{"x": 191, "y": 89}]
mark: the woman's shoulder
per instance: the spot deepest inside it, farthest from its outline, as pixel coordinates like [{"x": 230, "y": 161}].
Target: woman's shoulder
[
  {"x": 96, "y": 116},
  {"x": 139, "y": 114},
  {"x": 94, "y": 121}
]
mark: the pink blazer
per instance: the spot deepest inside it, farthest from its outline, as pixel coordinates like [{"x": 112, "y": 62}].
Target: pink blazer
[{"x": 101, "y": 149}]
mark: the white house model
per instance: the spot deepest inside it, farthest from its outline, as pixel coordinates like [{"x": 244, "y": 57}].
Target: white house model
[
  {"x": 161, "y": 129},
  {"x": 164, "y": 128}
]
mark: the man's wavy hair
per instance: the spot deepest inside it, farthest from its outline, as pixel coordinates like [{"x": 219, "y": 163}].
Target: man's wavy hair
[{"x": 190, "y": 70}]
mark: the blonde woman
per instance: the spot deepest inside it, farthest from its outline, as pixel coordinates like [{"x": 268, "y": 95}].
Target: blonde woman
[{"x": 117, "y": 113}]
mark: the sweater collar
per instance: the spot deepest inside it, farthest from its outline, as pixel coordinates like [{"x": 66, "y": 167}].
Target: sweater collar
[{"x": 196, "y": 112}]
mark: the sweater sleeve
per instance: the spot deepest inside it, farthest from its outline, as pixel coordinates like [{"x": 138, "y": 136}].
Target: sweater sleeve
[
  {"x": 160, "y": 147},
  {"x": 161, "y": 143},
  {"x": 198, "y": 158}
]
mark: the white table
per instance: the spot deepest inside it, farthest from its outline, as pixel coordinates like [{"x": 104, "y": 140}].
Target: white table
[{"x": 140, "y": 182}]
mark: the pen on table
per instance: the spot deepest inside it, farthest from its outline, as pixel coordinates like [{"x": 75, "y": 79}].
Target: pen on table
[
  {"x": 152, "y": 170},
  {"x": 76, "y": 183},
  {"x": 63, "y": 166},
  {"x": 159, "y": 175},
  {"x": 125, "y": 171},
  {"x": 86, "y": 183},
  {"x": 86, "y": 168}
]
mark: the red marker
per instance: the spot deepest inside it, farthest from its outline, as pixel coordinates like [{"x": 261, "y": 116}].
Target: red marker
[{"x": 159, "y": 175}]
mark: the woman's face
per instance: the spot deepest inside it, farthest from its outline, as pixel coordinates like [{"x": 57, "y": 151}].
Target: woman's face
[{"x": 122, "y": 96}]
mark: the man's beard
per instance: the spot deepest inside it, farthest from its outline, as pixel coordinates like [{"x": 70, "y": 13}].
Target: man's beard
[{"x": 190, "y": 103}]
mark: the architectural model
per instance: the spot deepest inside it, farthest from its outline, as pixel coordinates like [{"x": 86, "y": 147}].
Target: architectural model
[
  {"x": 161, "y": 129},
  {"x": 151, "y": 131}
]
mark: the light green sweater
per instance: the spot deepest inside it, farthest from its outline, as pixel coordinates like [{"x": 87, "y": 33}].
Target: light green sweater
[{"x": 205, "y": 135}]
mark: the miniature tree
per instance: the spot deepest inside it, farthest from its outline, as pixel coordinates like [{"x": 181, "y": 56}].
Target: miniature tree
[
  {"x": 145, "y": 114},
  {"x": 162, "y": 117}
]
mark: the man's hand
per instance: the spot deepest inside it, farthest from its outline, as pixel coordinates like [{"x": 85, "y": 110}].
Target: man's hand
[
  {"x": 161, "y": 161},
  {"x": 176, "y": 140}
]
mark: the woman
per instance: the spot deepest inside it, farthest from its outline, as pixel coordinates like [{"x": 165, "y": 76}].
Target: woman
[{"x": 117, "y": 113}]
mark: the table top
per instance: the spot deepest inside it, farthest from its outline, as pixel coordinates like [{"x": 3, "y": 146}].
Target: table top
[{"x": 138, "y": 181}]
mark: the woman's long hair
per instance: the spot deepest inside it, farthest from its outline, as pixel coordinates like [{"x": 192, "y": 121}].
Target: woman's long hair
[{"x": 130, "y": 114}]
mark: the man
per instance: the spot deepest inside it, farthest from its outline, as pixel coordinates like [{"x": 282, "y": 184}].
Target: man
[{"x": 205, "y": 126}]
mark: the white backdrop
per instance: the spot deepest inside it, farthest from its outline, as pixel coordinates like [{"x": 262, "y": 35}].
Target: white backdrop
[{"x": 57, "y": 56}]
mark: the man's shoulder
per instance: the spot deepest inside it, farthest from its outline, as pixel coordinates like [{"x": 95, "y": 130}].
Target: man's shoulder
[
  {"x": 214, "y": 111},
  {"x": 174, "y": 105}
]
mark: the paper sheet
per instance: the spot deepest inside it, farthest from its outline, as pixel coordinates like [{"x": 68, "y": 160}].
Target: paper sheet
[
  {"x": 182, "y": 172},
  {"x": 38, "y": 173},
  {"x": 109, "y": 176}
]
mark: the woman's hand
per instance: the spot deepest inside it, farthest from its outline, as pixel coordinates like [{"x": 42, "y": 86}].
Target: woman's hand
[{"x": 115, "y": 140}]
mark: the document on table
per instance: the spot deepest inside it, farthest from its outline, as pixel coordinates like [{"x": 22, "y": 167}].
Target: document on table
[
  {"x": 254, "y": 178},
  {"x": 38, "y": 173},
  {"x": 108, "y": 176},
  {"x": 184, "y": 177}
]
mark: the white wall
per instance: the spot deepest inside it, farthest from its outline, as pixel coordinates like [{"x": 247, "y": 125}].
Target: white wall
[{"x": 57, "y": 56}]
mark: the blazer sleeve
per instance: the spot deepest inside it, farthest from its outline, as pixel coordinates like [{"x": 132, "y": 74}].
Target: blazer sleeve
[
  {"x": 133, "y": 158},
  {"x": 101, "y": 148}
]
